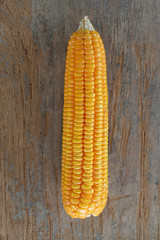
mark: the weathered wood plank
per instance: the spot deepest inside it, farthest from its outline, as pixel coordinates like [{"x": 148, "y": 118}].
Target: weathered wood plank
[{"x": 33, "y": 42}]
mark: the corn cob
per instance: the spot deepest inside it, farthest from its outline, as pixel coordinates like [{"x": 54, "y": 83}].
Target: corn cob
[{"x": 84, "y": 176}]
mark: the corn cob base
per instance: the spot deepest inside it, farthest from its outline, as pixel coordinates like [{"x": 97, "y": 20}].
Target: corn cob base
[{"x": 84, "y": 181}]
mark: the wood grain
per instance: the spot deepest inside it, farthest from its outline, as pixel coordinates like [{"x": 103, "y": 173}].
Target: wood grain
[{"x": 33, "y": 43}]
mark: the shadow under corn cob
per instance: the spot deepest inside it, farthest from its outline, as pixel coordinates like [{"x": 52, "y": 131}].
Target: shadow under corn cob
[{"x": 84, "y": 176}]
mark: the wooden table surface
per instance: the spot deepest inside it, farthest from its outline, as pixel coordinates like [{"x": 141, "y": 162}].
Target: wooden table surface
[{"x": 33, "y": 44}]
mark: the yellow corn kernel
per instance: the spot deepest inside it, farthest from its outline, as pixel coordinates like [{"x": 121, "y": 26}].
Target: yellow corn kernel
[
  {"x": 77, "y": 190},
  {"x": 85, "y": 200},
  {"x": 83, "y": 205},
  {"x": 74, "y": 200},
  {"x": 75, "y": 195}
]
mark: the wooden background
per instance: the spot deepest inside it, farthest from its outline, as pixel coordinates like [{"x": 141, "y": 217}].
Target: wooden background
[{"x": 33, "y": 43}]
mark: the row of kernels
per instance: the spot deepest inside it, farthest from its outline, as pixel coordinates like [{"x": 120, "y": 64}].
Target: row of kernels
[
  {"x": 89, "y": 118},
  {"x": 98, "y": 130},
  {"x": 68, "y": 126},
  {"x": 67, "y": 148},
  {"x": 78, "y": 124},
  {"x": 105, "y": 133}
]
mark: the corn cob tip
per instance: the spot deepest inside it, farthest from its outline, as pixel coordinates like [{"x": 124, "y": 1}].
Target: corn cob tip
[{"x": 86, "y": 24}]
